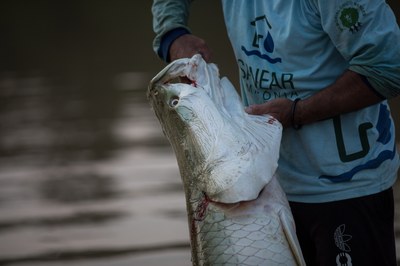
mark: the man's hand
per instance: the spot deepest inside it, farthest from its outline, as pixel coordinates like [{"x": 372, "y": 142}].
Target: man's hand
[
  {"x": 187, "y": 46},
  {"x": 280, "y": 109},
  {"x": 348, "y": 93}
]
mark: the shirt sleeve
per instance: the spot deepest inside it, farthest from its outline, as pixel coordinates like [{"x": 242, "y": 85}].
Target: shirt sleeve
[
  {"x": 366, "y": 34},
  {"x": 169, "y": 15}
]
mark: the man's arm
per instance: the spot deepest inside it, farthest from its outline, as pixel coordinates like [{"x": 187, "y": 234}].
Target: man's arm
[
  {"x": 173, "y": 36},
  {"x": 170, "y": 20},
  {"x": 349, "y": 93},
  {"x": 366, "y": 34}
]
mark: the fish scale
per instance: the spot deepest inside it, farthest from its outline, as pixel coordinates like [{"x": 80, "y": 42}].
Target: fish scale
[
  {"x": 241, "y": 240},
  {"x": 237, "y": 212}
]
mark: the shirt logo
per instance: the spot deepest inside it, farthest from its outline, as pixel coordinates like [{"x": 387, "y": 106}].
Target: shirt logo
[
  {"x": 262, "y": 44},
  {"x": 343, "y": 258},
  {"x": 349, "y": 16}
]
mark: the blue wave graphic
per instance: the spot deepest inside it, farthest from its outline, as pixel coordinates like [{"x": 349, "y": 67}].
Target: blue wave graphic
[
  {"x": 262, "y": 56},
  {"x": 372, "y": 164}
]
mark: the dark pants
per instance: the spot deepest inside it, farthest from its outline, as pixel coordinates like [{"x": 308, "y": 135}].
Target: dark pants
[{"x": 358, "y": 232}]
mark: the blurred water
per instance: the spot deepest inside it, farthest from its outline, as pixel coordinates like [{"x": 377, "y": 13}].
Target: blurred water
[
  {"x": 86, "y": 177},
  {"x": 77, "y": 183}
]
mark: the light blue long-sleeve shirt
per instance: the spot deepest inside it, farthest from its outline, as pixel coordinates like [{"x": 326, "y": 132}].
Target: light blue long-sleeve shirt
[{"x": 295, "y": 48}]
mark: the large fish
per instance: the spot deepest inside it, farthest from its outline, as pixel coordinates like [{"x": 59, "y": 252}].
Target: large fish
[{"x": 237, "y": 211}]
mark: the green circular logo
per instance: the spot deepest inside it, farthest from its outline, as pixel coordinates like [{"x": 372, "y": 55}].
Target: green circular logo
[{"x": 349, "y": 17}]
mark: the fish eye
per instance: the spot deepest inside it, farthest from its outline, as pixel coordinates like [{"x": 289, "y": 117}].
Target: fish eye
[{"x": 174, "y": 101}]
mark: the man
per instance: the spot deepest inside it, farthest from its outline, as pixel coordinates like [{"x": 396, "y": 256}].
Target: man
[{"x": 325, "y": 70}]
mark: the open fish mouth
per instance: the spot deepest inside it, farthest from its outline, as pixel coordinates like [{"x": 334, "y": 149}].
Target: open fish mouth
[{"x": 228, "y": 154}]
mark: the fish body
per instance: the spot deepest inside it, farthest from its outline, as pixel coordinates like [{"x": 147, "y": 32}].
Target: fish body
[{"x": 237, "y": 212}]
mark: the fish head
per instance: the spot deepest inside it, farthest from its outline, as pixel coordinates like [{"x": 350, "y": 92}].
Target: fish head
[
  {"x": 180, "y": 98},
  {"x": 222, "y": 152}
]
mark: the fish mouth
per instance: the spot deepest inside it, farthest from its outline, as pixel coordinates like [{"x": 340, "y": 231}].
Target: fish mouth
[
  {"x": 176, "y": 80},
  {"x": 166, "y": 88},
  {"x": 181, "y": 71},
  {"x": 181, "y": 80},
  {"x": 168, "y": 91}
]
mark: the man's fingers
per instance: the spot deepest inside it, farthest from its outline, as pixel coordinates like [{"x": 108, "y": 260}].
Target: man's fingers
[
  {"x": 256, "y": 109},
  {"x": 206, "y": 53},
  {"x": 188, "y": 45}
]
